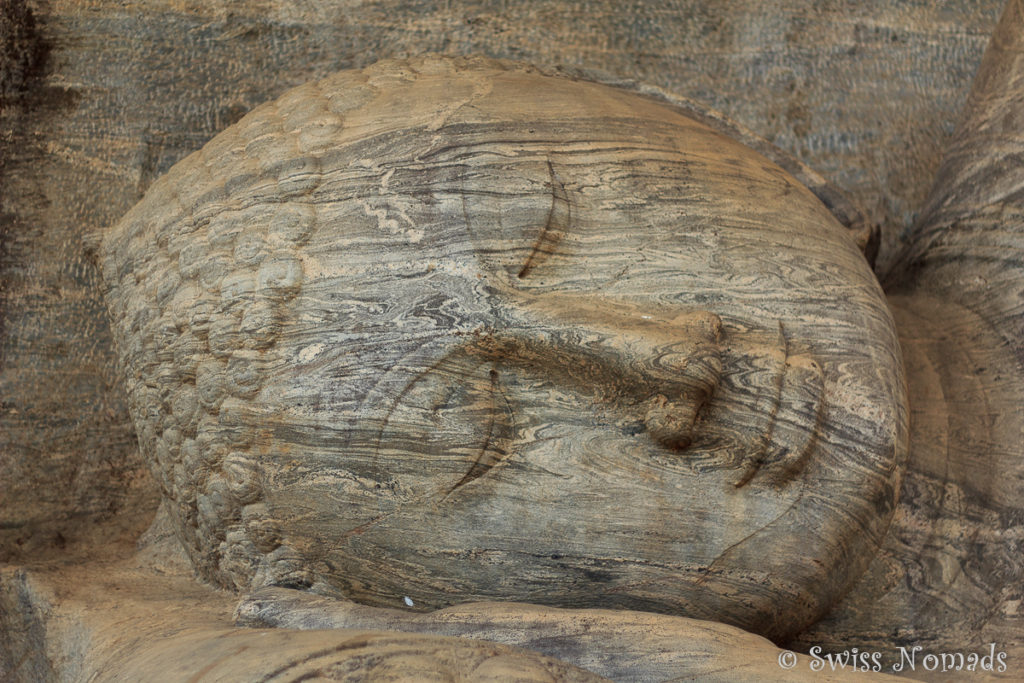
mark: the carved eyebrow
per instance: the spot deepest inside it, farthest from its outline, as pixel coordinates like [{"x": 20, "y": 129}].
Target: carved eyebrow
[{"x": 555, "y": 227}]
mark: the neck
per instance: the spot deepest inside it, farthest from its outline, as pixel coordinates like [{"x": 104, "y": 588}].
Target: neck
[{"x": 949, "y": 573}]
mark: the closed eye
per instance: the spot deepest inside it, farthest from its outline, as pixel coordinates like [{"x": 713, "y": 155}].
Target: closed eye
[{"x": 493, "y": 449}]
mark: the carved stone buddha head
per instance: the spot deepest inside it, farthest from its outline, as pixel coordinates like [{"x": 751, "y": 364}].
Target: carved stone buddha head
[{"x": 451, "y": 329}]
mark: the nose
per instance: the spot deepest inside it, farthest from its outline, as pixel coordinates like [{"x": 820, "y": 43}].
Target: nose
[
  {"x": 684, "y": 374},
  {"x": 666, "y": 366},
  {"x": 670, "y": 421}
]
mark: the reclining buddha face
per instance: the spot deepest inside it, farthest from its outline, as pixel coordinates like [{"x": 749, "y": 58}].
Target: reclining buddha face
[{"x": 454, "y": 330}]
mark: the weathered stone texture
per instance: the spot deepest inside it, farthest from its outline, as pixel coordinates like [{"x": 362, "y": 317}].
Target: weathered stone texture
[{"x": 865, "y": 92}]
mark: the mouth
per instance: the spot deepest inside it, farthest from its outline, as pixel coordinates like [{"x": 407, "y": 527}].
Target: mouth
[{"x": 792, "y": 406}]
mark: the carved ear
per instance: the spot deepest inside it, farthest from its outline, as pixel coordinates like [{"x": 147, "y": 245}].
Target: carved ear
[{"x": 846, "y": 210}]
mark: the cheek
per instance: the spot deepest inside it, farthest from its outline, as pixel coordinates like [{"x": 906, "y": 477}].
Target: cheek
[{"x": 578, "y": 480}]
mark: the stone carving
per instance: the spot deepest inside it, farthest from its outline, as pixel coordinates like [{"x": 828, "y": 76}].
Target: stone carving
[
  {"x": 449, "y": 330},
  {"x": 453, "y": 329}
]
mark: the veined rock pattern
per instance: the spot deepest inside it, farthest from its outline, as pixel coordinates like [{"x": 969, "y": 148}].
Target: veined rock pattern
[{"x": 445, "y": 330}]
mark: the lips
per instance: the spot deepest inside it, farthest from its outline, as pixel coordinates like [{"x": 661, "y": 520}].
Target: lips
[{"x": 779, "y": 399}]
